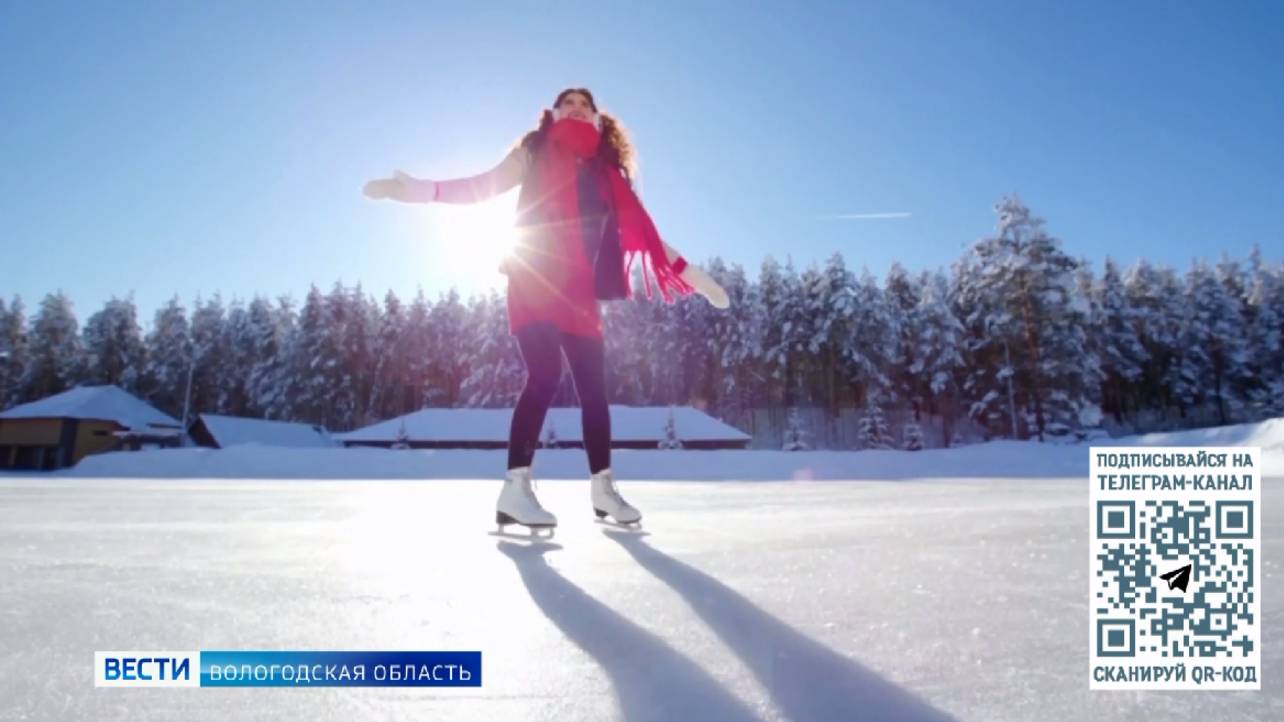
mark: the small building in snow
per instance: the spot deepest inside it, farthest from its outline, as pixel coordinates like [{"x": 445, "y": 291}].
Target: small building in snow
[
  {"x": 220, "y": 432},
  {"x": 62, "y": 429},
  {"x": 632, "y": 427}
]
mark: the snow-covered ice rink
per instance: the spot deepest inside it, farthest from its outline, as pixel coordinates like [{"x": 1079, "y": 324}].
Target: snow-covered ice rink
[{"x": 916, "y": 599}]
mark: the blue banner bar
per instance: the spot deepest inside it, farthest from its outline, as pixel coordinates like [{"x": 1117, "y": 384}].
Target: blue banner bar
[{"x": 256, "y": 668}]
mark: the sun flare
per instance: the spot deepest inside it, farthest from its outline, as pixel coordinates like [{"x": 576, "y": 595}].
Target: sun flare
[{"x": 472, "y": 239}]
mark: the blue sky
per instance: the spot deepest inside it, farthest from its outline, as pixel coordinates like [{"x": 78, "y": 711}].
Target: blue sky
[{"x": 189, "y": 148}]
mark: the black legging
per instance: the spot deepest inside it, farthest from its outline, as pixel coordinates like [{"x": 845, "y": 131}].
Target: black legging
[{"x": 542, "y": 345}]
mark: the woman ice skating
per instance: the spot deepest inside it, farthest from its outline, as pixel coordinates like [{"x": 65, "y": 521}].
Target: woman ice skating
[{"x": 580, "y": 227}]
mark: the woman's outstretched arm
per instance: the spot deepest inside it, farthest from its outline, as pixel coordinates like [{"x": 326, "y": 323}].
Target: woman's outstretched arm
[
  {"x": 482, "y": 186},
  {"x": 471, "y": 189},
  {"x": 696, "y": 276}
]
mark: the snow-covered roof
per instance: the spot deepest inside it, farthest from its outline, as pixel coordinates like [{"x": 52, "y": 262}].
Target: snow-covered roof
[
  {"x": 628, "y": 423},
  {"x": 232, "y": 430},
  {"x": 110, "y": 403}
]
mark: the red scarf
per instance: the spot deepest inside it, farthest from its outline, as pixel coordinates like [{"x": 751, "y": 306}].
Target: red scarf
[{"x": 570, "y": 140}]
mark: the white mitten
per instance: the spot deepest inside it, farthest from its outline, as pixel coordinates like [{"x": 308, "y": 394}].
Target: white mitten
[
  {"x": 705, "y": 285},
  {"x": 401, "y": 187}
]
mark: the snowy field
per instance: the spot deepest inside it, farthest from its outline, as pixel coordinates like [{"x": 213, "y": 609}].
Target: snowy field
[{"x": 891, "y": 594}]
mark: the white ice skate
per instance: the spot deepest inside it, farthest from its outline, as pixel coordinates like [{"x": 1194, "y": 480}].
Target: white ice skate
[
  {"x": 517, "y": 504},
  {"x": 608, "y": 502}
]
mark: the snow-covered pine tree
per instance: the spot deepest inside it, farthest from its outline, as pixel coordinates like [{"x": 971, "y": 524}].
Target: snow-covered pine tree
[
  {"x": 403, "y": 437},
  {"x": 240, "y": 358},
  {"x": 938, "y": 356},
  {"x": 113, "y": 341},
  {"x": 912, "y": 437},
  {"x": 739, "y": 356},
  {"x": 866, "y": 353},
  {"x": 359, "y": 330},
  {"x": 986, "y": 384},
  {"x": 872, "y": 432},
  {"x": 625, "y": 330},
  {"x": 169, "y": 356},
  {"x": 779, "y": 309},
  {"x": 902, "y": 293},
  {"x": 316, "y": 364},
  {"x": 795, "y": 339},
  {"x": 1085, "y": 293},
  {"x": 1242, "y": 381},
  {"x": 1265, "y": 334},
  {"x": 1211, "y": 357},
  {"x": 831, "y": 304},
  {"x": 448, "y": 357},
  {"x": 1158, "y": 299},
  {"x": 670, "y": 440},
  {"x": 706, "y": 335},
  {"x": 496, "y": 372},
  {"x": 829, "y": 311},
  {"x": 698, "y": 348},
  {"x": 268, "y": 375},
  {"x": 1026, "y": 319},
  {"x": 665, "y": 343},
  {"x": 388, "y": 372},
  {"x": 795, "y": 437},
  {"x": 416, "y": 345},
  {"x": 210, "y": 354},
  {"x": 342, "y": 327},
  {"x": 13, "y": 352},
  {"x": 56, "y": 355},
  {"x": 1122, "y": 353},
  {"x": 813, "y": 326}
]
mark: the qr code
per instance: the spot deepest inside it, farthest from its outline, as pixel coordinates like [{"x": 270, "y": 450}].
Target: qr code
[
  {"x": 1175, "y": 578},
  {"x": 1174, "y": 558}
]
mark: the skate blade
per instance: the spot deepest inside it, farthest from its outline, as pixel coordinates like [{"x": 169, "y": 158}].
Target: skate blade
[
  {"x": 533, "y": 535},
  {"x": 535, "y": 531},
  {"x": 621, "y": 525}
]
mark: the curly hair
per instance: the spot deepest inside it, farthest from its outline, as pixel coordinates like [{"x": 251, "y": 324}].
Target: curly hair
[{"x": 616, "y": 150}]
